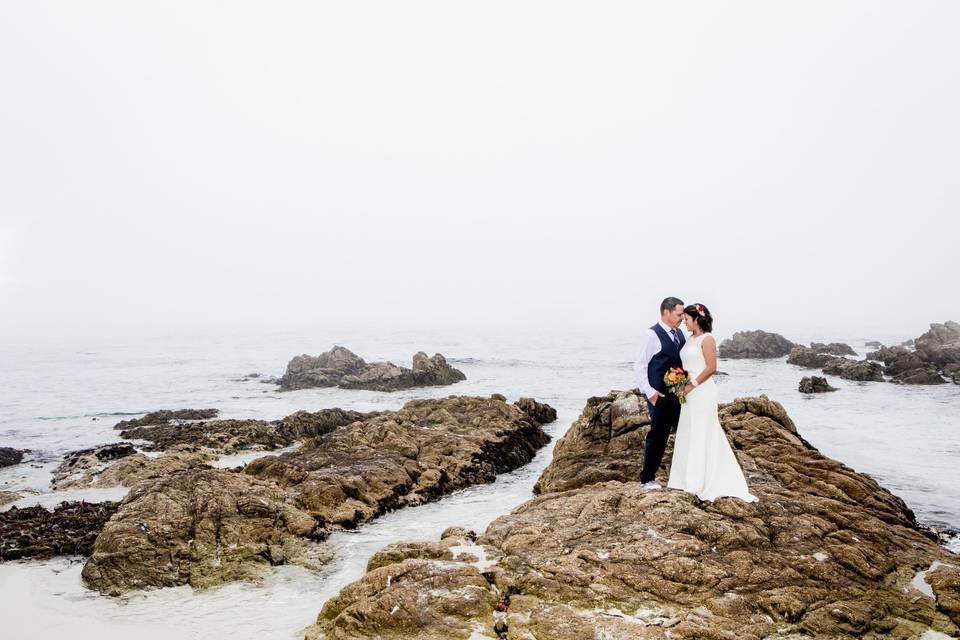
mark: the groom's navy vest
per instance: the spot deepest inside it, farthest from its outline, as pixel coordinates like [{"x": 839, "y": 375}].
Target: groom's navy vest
[{"x": 668, "y": 357}]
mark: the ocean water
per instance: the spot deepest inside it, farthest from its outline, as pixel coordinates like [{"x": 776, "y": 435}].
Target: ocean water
[{"x": 59, "y": 397}]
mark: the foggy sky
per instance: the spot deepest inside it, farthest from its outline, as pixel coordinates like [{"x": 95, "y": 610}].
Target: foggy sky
[{"x": 180, "y": 165}]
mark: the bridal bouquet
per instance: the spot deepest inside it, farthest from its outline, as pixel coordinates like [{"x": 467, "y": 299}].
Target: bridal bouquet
[{"x": 676, "y": 379}]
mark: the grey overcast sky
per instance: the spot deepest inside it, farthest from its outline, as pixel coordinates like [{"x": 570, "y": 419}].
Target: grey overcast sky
[{"x": 180, "y": 165}]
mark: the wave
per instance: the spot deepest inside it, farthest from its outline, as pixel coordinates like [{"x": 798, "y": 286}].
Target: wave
[
  {"x": 93, "y": 415},
  {"x": 501, "y": 362}
]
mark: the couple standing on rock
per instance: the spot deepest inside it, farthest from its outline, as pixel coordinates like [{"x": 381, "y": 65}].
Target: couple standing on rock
[{"x": 703, "y": 462}]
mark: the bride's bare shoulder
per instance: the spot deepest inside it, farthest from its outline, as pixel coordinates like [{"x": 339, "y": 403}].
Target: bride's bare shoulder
[{"x": 709, "y": 343}]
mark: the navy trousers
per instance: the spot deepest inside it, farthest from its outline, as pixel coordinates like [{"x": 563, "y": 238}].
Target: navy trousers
[{"x": 663, "y": 419}]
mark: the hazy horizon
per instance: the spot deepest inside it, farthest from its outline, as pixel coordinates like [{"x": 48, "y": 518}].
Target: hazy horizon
[{"x": 542, "y": 166}]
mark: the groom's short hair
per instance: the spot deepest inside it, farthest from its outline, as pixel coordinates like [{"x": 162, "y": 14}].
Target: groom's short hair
[{"x": 669, "y": 304}]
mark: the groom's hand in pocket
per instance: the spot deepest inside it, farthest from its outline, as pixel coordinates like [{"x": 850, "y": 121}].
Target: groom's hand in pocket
[{"x": 654, "y": 397}]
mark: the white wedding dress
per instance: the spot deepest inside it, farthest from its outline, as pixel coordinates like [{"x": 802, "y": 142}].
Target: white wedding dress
[{"x": 703, "y": 461}]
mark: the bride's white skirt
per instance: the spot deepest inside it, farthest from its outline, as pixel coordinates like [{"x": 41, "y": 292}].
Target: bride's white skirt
[{"x": 703, "y": 461}]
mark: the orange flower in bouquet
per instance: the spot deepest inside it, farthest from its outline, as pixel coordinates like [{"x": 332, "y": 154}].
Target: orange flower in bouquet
[{"x": 676, "y": 378}]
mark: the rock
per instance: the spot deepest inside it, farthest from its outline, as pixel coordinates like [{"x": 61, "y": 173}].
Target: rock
[
  {"x": 200, "y": 527},
  {"x": 905, "y": 366},
  {"x": 908, "y": 343},
  {"x": 306, "y": 424},
  {"x": 341, "y": 367},
  {"x": 873, "y": 344},
  {"x": 825, "y": 553},
  {"x": 99, "y": 467},
  {"x": 952, "y": 371},
  {"x": 70, "y": 529},
  {"x": 755, "y": 344},
  {"x": 923, "y": 375},
  {"x": 325, "y": 370},
  {"x": 859, "y": 370},
  {"x": 451, "y": 591},
  {"x": 419, "y": 453},
  {"x": 6, "y": 497},
  {"x": 819, "y": 355},
  {"x": 539, "y": 411},
  {"x": 203, "y": 526},
  {"x": 835, "y": 348},
  {"x": 166, "y": 416},
  {"x": 79, "y": 468},
  {"x": 897, "y": 360},
  {"x": 809, "y": 358},
  {"x": 815, "y": 384},
  {"x": 237, "y": 435},
  {"x": 10, "y": 456},
  {"x": 611, "y": 427},
  {"x": 940, "y": 346}
]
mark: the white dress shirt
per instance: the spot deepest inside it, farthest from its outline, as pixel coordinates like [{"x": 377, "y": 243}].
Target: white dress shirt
[{"x": 649, "y": 347}]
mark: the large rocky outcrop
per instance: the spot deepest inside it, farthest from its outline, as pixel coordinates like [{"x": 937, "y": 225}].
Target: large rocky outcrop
[
  {"x": 200, "y": 527},
  {"x": 825, "y": 553},
  {"x": 236, "y": 435},
  {"x": 36, "y": 532},
  {"x": 10, "y": 456},
  {"x": 426, "y": 449},
  {"x": 814, "y": 384},
  {"x": 755, "y": 344},
  {"x": 340, "y": 367}
]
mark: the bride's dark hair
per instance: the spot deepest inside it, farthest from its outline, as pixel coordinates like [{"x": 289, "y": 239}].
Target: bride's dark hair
[{"x": 701, "y": 315}]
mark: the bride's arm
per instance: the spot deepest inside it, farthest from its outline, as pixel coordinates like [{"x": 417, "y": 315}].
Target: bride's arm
[{"x": 709, "y": 346}]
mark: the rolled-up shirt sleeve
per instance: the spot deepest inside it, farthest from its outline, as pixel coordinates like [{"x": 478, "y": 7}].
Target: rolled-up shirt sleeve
[{"x": 649, "y": 347}]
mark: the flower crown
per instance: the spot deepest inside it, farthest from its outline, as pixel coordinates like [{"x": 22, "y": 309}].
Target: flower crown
[{"x": 701, "y": 309}]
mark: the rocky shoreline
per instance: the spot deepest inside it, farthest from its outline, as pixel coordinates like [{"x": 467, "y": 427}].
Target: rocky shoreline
[
  {"x": 201, "y": 526},
  {"x": 932, "y": 358},
  {"x": 825, "y": 553}
]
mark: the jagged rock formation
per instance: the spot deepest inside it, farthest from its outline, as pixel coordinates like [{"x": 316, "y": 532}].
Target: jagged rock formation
[
  {"x": 825, "y": 553},
  {"x": 811, "y": 358},
  {"x": 858, "y": 370},
  {"x": 815, "y": 384},
  {"x": 340, "y": 367},
  {"x": 755, "y": 344}
]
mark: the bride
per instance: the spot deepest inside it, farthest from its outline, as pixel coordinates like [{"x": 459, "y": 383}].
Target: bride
[{"x": 703, "y": 462}]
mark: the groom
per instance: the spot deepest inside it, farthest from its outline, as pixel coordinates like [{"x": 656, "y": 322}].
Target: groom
[{"x": 659, "y": 351}]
